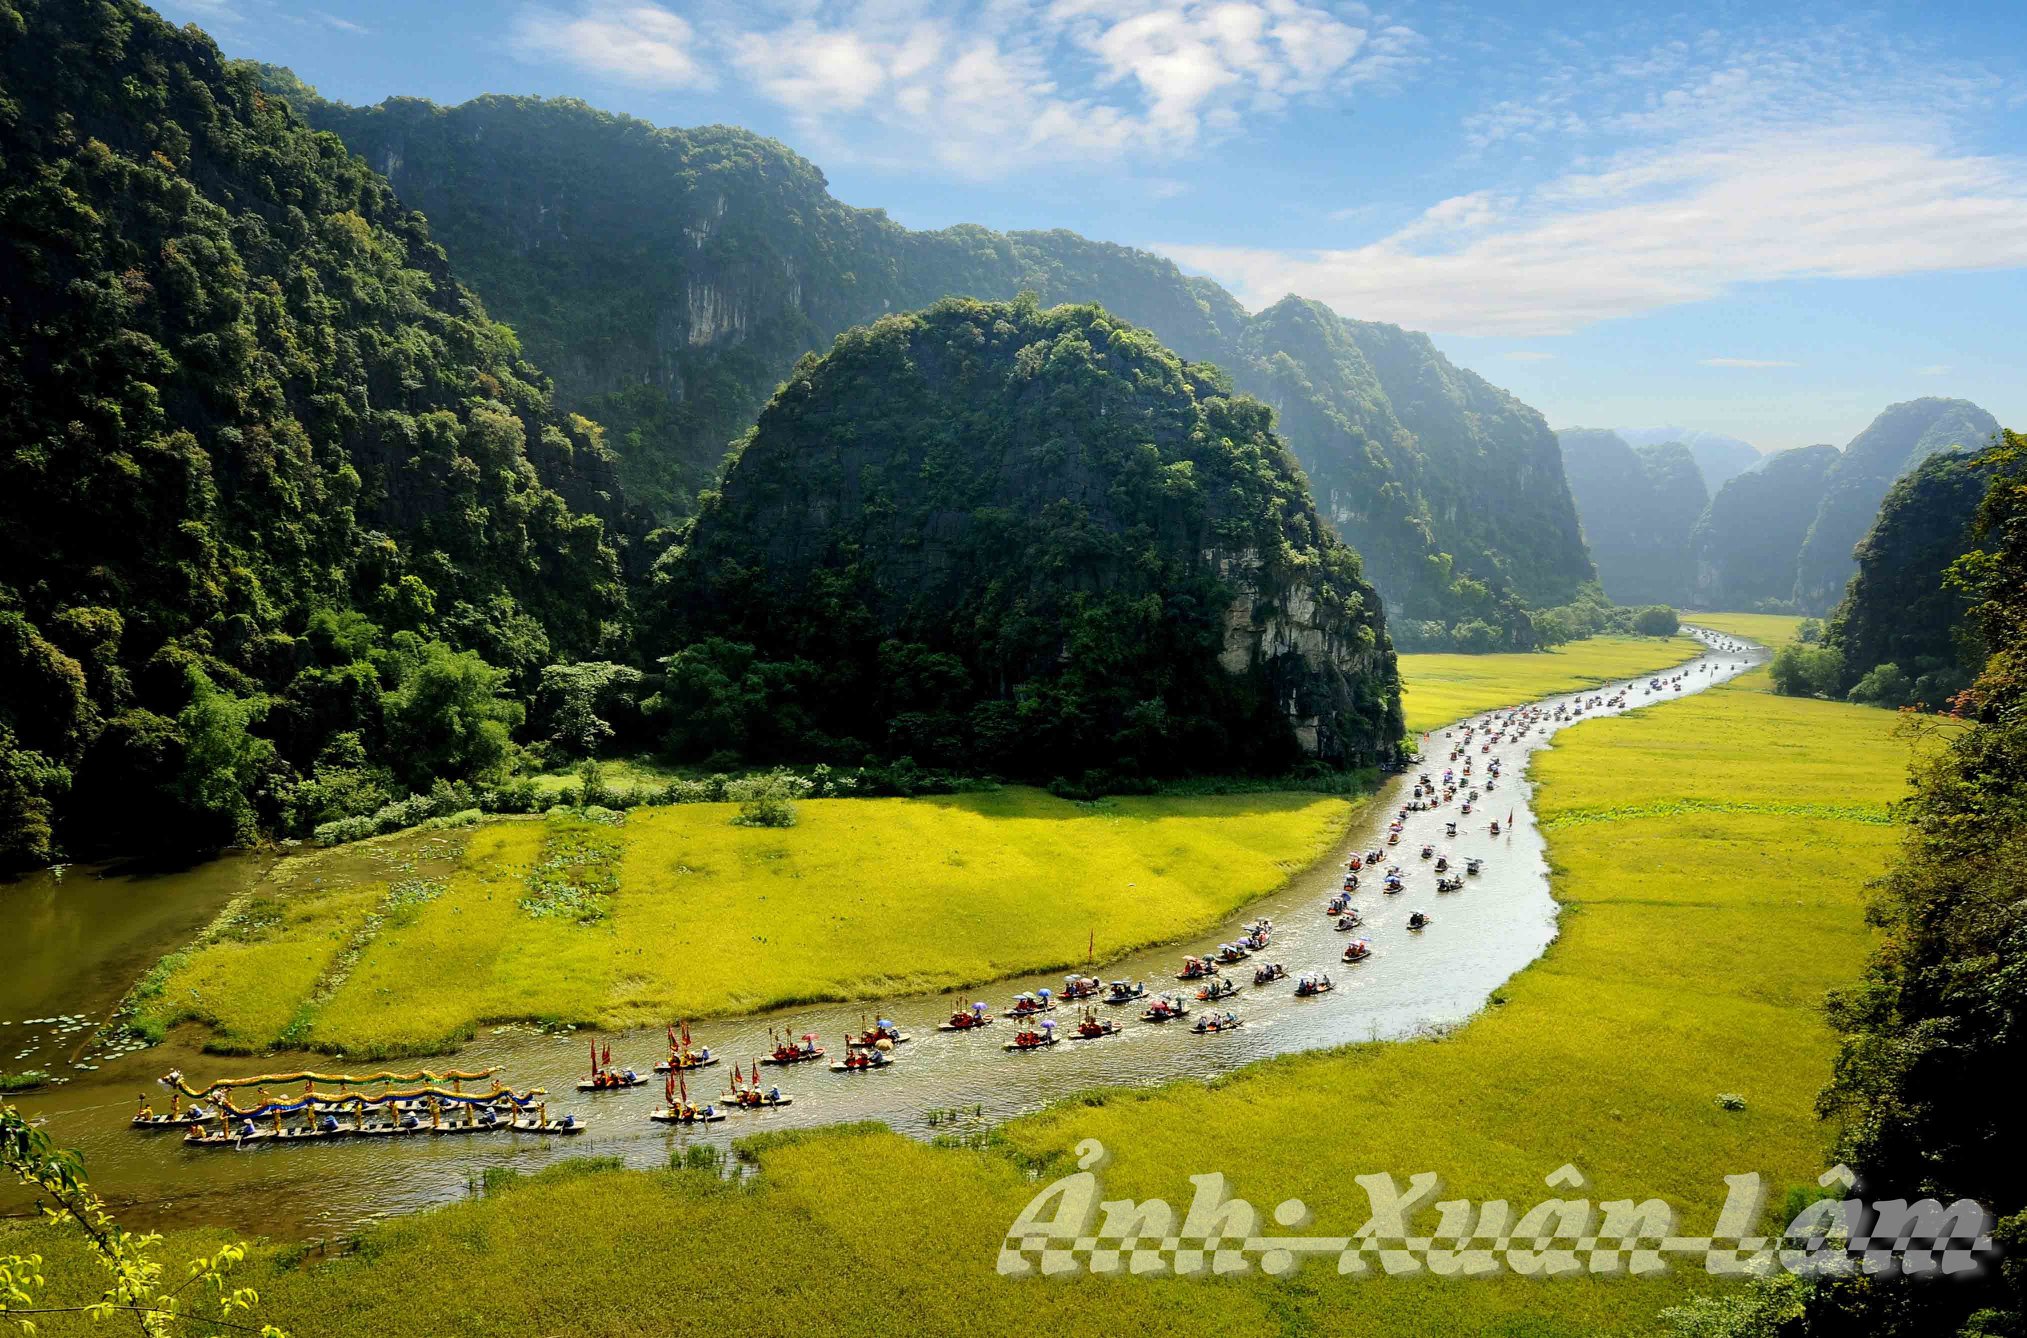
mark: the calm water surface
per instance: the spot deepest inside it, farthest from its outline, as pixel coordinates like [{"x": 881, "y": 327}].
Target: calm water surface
[{"x": 80, "y": 939}]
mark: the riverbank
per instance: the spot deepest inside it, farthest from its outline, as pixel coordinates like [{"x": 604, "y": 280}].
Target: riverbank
[
  {"x": 1703, "y": 852},
  {"x": 673, "y": 912},
  {"x": 1437, "y": 689},
  {"x": 409, "y": 945}
]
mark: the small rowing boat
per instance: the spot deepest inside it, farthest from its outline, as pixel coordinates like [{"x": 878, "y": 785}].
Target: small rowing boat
[{"x": 967, "y": 1019}]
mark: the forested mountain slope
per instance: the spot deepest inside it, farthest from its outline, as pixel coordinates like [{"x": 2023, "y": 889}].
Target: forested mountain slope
[
  {"x": 1746, "y": 544},
  {"x": 1719, "y": 458},
  {"x": 1901, "y": 437},
  {"x": 670, "y": 278},
  {"x": 1902, "y": 620},
  {"x": 259, "y": 451},
  {"x": 1638, "y": 508},
  {"x": 1032, "y": 542}
]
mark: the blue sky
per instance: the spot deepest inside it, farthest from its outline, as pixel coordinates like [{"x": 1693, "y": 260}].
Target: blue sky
[{"x": 1762, "y": 219}]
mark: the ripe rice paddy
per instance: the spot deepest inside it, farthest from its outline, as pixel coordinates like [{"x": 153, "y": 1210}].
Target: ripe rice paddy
[
  {"x": 676, "y": 911},
  {"x": 1437, "y": 689},
  {"x": 1709, "y": 855}
]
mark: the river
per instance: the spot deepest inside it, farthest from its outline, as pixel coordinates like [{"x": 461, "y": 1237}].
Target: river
[{"x": 81, "y": 938}]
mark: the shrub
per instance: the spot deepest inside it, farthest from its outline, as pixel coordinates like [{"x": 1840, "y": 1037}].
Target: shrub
[{"x": 767, "y": 799}]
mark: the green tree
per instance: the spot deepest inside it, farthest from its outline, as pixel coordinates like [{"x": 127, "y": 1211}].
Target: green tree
[
  {"x": 1656, "y": 620},
  {"x": 226, "y": 766},
  {"x": 448, "y": 715},
  {"x": 140, "y": 1287}
]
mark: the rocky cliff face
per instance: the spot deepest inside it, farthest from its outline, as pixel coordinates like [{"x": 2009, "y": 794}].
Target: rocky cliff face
[
  {"x": 1111, "y": 557},
  {"x": 1747, "y": 542},
  {"x": 1638, "y": 508},
  {"x": 1899, "y": 439},
  {"x": 1899, "y": 608},
  {"x": 670, "y": 278}
]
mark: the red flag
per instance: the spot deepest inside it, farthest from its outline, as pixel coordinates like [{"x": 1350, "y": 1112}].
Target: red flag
[
  {"x": 686, "y": 1033},
  {"x": 672, "y": 1035},
  {"x": 756, "y": 1073},
  {"x": 1509, "y": 817},
  {"x": 683, "y": 1087},
  {"x": 669, "y": 1087},
  {"x": 594, "y": 1059},
  {"x": 608, "y": 1054}
]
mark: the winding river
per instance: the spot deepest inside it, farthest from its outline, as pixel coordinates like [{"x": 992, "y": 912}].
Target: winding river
[{"x": 81, "y": 939}]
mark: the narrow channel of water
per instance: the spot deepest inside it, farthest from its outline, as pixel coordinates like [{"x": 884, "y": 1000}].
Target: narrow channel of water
[{"x": 1414, "y": 981}]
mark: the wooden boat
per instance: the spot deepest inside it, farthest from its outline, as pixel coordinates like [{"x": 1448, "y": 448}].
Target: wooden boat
[
  {"x": 1216, "y": 990},
  {"x": 1033, "y": 1040},
  {"x": 1125, "y": 991},
  {"x": 688, "y": 1116},
  {"x": 1270, "y": 972},
  {"x": 1419, "y": 921},
  {"x": 862, "y": 1061},
  {"x": 787, "y": 1052},
  {"x": 1230, "y": 954},
  {"x": 1081, "y": 987},
  {"x": 1310, "y": 986},
  {"x": 882, "y": 1030},
  {"x": 1357, "y": 950},
  {"x": 1348, "y": 921},
  {"x": 687, "y": 1062},
  {"x": 970, "y": 1019},
  {"x": 1028, "y": 1005},
  {"x": 745, "y": 1098},
  {"x": 608, "y": 1080},
  {"x": 1165, "y": 1010},
  {"x": 1090, "y": 1029},
  {"x": 1451, "y": 884},
  {"x": 1196, "y": 968},
  {"x": 1474, "y": 865},
  {"x": 605, "y": 1077},
  {"x": 1216, "y": 1022}
]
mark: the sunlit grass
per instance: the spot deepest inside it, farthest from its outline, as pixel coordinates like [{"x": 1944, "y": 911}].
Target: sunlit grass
[
  {"x": 1695, "y": 950},
  {"x": 862, "y": 897},
  {"x": 1772, "y": 630},
  {"x": 1438, "y": 689}
]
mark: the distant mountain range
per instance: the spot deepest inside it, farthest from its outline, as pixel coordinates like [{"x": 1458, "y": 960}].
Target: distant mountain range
[
  {"x": 1779, "y": 532},
  {"x": 1719, "y": 458},
  {"x": 670, "y": 278}
]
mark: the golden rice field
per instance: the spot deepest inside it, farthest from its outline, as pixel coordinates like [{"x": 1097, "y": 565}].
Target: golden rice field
[
  {"x": 1437, "y": 689},
  {"x": 1709, "y": 856},
  {"x": 1772, "y": 630},
  {"x": 862, "y": 897}
]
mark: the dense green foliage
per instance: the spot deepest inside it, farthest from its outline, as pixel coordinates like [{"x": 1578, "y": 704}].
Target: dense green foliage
[
  {"x": 1899, "y": 439},
  {"x": 1746, "y": 543},
  {"x": 1030, "y": 542},
  {"x": 1638, "y": 507},
  {"x": 1901, "y": 627},
  {"x": 1941, "y": 1017},
  {"x": 670, "y": 278},
  {"x": 272, "y": 483}
]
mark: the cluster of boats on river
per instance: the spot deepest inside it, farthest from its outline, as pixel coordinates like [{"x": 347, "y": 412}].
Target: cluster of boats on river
[{"x": 385, "y": 1105}]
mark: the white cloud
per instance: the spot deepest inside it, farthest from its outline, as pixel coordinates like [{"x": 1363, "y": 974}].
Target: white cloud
[
  {"x": 1527, "y": 355},
  {"x": 1744, "y": 362},
  {"x": 984, "y": 87},
  {"x": 1825, "y": 158},
  {"x": 1933, "y": 369},
  {"x": 343, "y": 25},
  {"x": 633, "y": 42}
]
